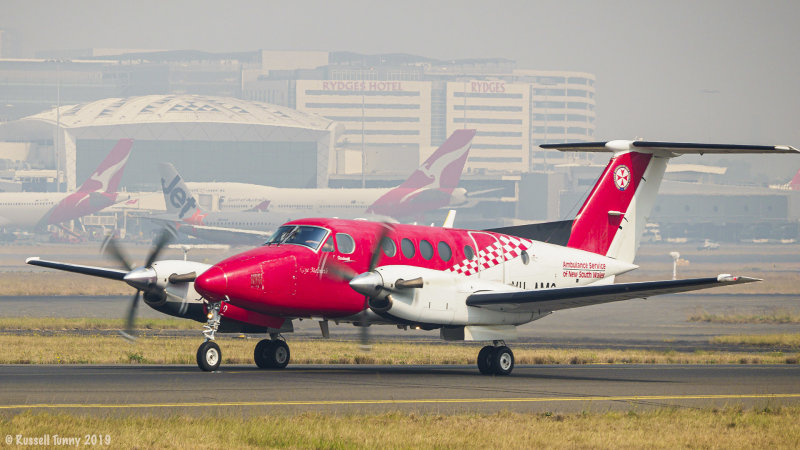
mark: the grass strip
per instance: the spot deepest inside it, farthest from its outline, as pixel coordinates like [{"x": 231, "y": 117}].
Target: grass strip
[
  {"x": 768, "y": 317},
  {"x": 91, "y": 324},
  {"x": 104, "y": 349},
  {"x": 762, "y": 340},
  {"x": 730, "y": 427}
]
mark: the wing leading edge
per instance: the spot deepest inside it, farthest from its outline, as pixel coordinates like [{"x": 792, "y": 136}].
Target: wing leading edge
[{"x": 575, "y": 297}]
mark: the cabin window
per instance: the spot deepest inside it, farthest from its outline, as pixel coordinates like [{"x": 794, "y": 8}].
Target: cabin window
[
  {"x": 525, "y": 257},
  {"x": 345, "y": 243},
  {"x": 407, "y": 247},
  {"x": 389, "y": 249},
  {"x": 469, "y": 252},
  {"x": 425, "y": 249},
  {"x": 328, "y": 245},
  {"x": 444, "y": 251}
]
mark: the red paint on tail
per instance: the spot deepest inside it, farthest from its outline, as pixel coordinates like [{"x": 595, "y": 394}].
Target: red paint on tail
[
  {"x": 431, "y": 186},
  {"x": 603, "y": 211}
]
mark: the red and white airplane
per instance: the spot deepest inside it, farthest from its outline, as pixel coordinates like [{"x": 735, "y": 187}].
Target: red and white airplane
[
  {"x": 471, "y": 285},
  {"x": 39, "y": 209}
]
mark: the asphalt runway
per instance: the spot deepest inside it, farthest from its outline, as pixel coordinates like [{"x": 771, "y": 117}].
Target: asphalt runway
[{"x": 335, "y": 388}]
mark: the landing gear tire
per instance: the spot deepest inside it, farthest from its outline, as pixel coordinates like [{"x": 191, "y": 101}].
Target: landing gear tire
[
  {"x": 209, "y": 356},
  {"x": 502, "y": 360},
  {"x": 260, "y": 354},
  {"x": 271, "y": 354},
  {"x": 485, "y": 360}
]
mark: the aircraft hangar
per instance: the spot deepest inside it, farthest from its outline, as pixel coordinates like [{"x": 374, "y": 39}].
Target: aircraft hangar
[{"x": 207, "y": 138}]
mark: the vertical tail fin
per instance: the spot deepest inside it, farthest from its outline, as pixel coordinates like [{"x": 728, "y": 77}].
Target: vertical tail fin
[
  {"x": 178, "y": 199},
  {"x": 612, "y": 219},
  {"x": 432, "y": 184},
  {"x": 99, "y": 191},
  {"x": 795, "y": 183},
  {"x": 106, "y": 177}
]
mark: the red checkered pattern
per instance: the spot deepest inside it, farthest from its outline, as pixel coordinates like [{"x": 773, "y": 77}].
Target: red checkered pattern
[{"x": 506, "y": 249}]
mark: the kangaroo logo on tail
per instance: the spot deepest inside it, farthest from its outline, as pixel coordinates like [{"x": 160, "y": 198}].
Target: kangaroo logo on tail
[
  {"x": 98, "y": 192},
  {"x": 432, "y": 184}
]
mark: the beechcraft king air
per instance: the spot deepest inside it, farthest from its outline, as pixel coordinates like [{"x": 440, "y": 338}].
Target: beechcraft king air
[
  {"x": 472, "y": 285},
  {"x": 39, "y": 209}
]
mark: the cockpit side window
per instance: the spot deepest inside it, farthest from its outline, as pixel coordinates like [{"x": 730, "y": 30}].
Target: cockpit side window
[{"x": 345, "y": 243}]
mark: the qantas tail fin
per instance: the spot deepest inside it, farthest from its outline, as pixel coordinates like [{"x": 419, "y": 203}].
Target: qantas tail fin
[
  {"x": 612, "y": 218},
  {"x": 106, "y": 177},
  {"x": 178, "y": 199},
  {"x": 432, "y": 184},
  {"x": 795, "y": 183},
  {"x": 99, "y": 191}
]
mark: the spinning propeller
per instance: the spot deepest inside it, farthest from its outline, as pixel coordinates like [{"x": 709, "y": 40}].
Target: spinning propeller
[
  {"x": 377, "y": 295},
  {"x": 143, "y": 279}
]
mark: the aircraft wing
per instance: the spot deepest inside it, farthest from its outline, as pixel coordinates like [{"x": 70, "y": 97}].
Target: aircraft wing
[
  {"x": 102, "y": 272},
  {"x": 574, "y": 297}
]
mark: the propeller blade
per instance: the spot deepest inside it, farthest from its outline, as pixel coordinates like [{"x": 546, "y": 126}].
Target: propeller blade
[
  {"x": 365, "y": 337},
  {"x": 129, "y": 334},
  {"x": 376, "y": 252},
  {"x": 335, "y": 270},
  {"x": 112, "y": 248},
  {"x": 163, "y": 240}
]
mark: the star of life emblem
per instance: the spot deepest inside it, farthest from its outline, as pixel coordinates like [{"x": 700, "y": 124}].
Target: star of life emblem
[{"x": 622, "y": 177}]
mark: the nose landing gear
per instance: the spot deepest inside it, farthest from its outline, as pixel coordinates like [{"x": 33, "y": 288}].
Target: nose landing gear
[{"x": 209, "y": 356}]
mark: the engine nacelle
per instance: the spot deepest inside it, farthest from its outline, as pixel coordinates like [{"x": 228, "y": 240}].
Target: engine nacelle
[{"x": 177, "y": 299}]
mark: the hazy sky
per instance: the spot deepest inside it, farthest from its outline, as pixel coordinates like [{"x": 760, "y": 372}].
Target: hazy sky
[{"x": 711, "y": 71}]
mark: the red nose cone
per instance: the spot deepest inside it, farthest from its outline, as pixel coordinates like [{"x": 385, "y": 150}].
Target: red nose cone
[{"x": 212, "y": 284}]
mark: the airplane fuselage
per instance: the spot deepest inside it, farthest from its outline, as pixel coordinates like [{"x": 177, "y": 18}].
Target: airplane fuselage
[{"x": 292, "y": 279}]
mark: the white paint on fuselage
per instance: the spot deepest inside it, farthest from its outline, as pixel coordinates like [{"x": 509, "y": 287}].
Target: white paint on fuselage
[
  {"x": 313, "y": 202},
  {"x": 26, "y": 209}
]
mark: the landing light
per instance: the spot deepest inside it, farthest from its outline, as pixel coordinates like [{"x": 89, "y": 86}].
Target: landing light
[{"x": 210, "y": 315}]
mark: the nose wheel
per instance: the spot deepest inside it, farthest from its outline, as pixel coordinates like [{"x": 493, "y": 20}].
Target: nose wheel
[
  {"x": 495, "y": 360},
  {"x": 209, "y": 356},
  {"x": 271, "y": 354}
]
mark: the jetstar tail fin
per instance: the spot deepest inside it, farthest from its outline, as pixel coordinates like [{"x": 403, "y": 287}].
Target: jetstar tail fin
[{"x": 178, "y": 199}]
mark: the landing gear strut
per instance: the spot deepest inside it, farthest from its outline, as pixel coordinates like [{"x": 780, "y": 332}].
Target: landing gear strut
[
  {"x": 271, "y": 354},
  {"x": 496, "y": 359},
  {"x": 209, "y": 355}
]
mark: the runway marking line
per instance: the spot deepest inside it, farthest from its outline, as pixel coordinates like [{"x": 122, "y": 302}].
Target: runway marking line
[{"x": 405, "y": 402}]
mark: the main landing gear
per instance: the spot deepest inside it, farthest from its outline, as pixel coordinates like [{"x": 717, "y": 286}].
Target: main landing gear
[
  {"x": 271, "y": 354},
  {"x": 496, "y": 359}
]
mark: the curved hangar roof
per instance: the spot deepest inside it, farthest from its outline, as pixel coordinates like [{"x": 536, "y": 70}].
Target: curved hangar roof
[{"x": 176, "y": 110}]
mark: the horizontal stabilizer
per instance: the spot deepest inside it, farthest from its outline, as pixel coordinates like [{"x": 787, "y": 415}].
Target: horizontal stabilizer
[
  {"x": 556, "y": 299},
  {"x": 102, "y": 272},
  {"x": 676, "y": 148}
]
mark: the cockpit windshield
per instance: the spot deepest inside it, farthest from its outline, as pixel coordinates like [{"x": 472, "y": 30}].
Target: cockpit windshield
[{"x": 306, "y": 235}]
